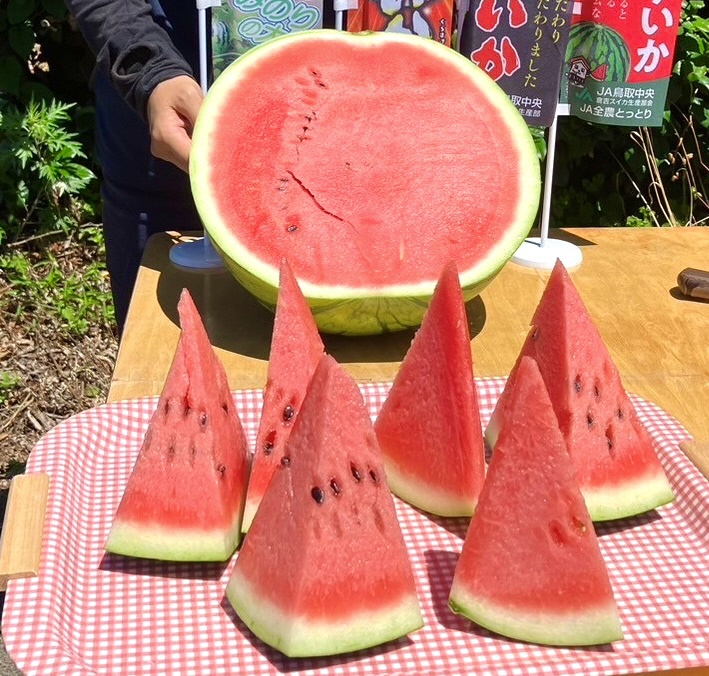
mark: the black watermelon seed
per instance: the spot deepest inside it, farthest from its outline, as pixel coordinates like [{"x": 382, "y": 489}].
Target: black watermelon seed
[
  {"x": 355, "y": 472},
  {"x": 269, "y": 442},
  {"x": 577, "y": 384},
  {"x": 619, "y": 414},
  {"x": 221, "y": 469},
  {"x": 535, "y": 334},
  {"x": 589, "y": 420},
  {"x": 318, "y": 494},
  {"x": 597, "y": 391},
  {"x": 373, "y": 476},
  {"x": 288, "y": 413},
  {"x": 203, "y": 419},
  {"x": 225, "y": 407},
  {"x": 335, "y": 487},
  {"x": 285, "y": 461},
  {"x": 292, "y": 228},
  {"x": 167, "y": 407}
]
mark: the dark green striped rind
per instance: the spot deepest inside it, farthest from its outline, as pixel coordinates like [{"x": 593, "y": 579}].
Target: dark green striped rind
[{"x": 600, "y": 45}]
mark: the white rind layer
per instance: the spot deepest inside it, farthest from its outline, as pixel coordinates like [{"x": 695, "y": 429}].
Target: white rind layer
[
  {"x": 304, "y": 637},
  {"x": 592, "y": 626},
  {"x": 172, "y": 544}
]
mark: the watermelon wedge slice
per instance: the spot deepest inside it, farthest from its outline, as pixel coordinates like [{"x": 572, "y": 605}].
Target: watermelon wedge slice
[
  {"x": 530, "y": 567},
  {"x": 324, "y": 568},
  {"x": 296, "y": 348},
  {"x": 429, "y": 425},
  {"x": 185, "y": 496},
  {"x": 618, "y": 470},
  {"x": 369, "y": 160}
]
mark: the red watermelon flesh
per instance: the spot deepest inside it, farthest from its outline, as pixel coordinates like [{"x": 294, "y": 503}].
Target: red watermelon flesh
[
  {"x": 324, "y": 568},
  {"x": 618, "y": 470},
  {"x": 296, "y": 348},
  {"x": 530, "y": 567},
  {"x": 185, "y": 495},
  {"x": 429, "y": 426}
]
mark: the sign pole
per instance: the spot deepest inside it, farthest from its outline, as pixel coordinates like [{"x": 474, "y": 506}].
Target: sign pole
[
  {"x": 199, "y": 254},
  {"x": 542, "y": 252}
]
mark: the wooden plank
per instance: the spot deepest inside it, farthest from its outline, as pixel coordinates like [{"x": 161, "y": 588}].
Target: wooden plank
[{"x": 21, "y": 542}]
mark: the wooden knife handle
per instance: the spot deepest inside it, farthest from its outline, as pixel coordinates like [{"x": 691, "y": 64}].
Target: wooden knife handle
[{"x": 694, "y": 283}]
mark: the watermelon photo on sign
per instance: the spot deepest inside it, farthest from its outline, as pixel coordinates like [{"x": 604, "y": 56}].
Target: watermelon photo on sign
[
  {"x": 369, "y": 161},
  {"x": 618, "y": 470},
  {"x": 530, "y": 567},
  {"x": 184, "y": 498},
  {"x": 324, "y": 568}
]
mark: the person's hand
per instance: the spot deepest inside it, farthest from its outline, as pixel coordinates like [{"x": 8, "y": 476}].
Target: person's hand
[{"x": 172, "y": 111}]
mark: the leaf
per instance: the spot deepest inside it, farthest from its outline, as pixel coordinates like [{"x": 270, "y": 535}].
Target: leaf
[
  {"x": 55, "y": 8},
  {"x": 21, "y": 38},
  {"x": 10, "y": 75},
  {"x": 19, "y": 11}
]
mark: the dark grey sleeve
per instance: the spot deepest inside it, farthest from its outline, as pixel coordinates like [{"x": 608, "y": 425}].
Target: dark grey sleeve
[{"x": 130, "y": 46}]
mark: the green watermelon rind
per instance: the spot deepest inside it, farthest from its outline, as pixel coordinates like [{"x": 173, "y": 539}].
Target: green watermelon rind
[
  {"x": 302, "y": 637},
  {"x": 599, "y": 45},
  {"x": 588, "y": 626},
  {"x": 376, "y": 309},
  {"x": 172, "y": 544}
]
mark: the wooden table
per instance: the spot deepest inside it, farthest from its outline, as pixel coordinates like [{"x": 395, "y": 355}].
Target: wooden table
[{"x": 628, "y": 280}]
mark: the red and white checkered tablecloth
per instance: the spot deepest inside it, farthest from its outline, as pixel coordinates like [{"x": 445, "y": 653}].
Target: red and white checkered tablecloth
[{"x": 91, "y": 613}]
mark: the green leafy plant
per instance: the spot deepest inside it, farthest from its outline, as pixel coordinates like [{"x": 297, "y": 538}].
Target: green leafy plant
[
  {"x": 9, "y": 382},
  {"x": 42, "y": 179},
  {"x": 41, "y": 286}
]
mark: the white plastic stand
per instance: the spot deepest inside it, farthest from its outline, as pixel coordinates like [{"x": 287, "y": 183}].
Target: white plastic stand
[
  {"x": 340, "y": 7},
  {"x": 543, "y": 252},
  {"x": 199, "y": 254}
]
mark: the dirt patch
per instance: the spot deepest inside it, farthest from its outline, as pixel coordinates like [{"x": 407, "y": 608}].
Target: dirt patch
[{"x": 49, "y": 373}]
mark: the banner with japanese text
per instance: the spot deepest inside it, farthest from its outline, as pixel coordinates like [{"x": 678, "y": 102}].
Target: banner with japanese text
[
  {"x": 619, "y": 60},
  {"x": 521, "y": 45},
  {"x": 239, "y": 25}
]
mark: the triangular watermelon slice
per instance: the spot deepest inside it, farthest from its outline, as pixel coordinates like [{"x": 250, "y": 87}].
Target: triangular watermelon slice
[
  {"x": 429, "y": 425},
  {"x": 617, "y": 467},
  {"x": 530, "y": 567},
  {"x": 296, "y": 348},
  {"x": 185, "y": 496},
  {"x": 324, "y": 568}
]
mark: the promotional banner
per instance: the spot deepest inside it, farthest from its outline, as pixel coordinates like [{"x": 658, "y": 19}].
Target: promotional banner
[
  {"x": 619, "y": 59},
  {"x": 239, "y": 25},
  {"x": 427, "y": 18},
  {"x": 520, "y": 45}
]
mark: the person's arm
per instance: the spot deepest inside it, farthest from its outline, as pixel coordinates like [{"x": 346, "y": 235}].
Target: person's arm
[{"x": 146, "y": 69}]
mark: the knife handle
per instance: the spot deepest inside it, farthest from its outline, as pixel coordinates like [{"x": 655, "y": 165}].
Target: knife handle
[{"x": 694, "y": 283}]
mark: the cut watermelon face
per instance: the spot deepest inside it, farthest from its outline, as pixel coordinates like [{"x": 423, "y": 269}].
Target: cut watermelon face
[
  {"x": 530, "y": 566},
  {"x": 324, "y": 568},
  {"x": 296, "y": 348},
  {"x": 617, "y": 467},
  {"x": 185, "y": 495},
  {"x": 429, "y": 425},
  {"x": 369, "y": 161}
]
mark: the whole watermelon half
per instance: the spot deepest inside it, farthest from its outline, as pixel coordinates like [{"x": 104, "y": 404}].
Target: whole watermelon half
[
  {"x": 369, "y": 160},
  {"x": 603, "y": 48}
]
